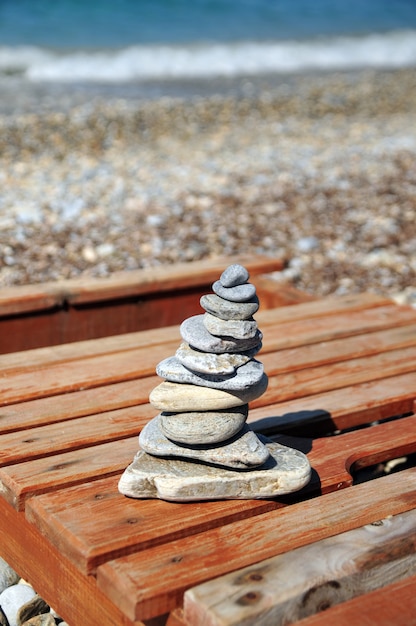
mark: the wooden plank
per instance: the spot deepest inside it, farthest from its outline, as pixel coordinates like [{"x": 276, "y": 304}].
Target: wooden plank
[
  {"x": 73, "y": 595},
  {"x": 392, "y": 604},
  {"x": 314, "y": 380},
  {"x": 40, "y": 357},
  {"x": 66, "y": 515},
  {"x": 107, "y": 369},
  {"x": 27, "y": 298},
  {"x": 331, "y": 458},
  {"x": 330, "y": 411},
  {"x": 153, "y": 581},
  {"x": 302, "y": 582}
]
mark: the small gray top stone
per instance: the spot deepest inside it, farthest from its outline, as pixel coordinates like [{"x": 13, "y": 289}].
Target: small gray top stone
[
  {"x": 234, "y": 275},
  {"x": 240, "y": 293}
]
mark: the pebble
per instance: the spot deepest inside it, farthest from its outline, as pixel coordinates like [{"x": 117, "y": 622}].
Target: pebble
[
  {"x": 328, "y": 156},
  {"x": 244, "y": 377},
  {"x": 8, "y": 576},
  {"x": 240, "y": 293},
  {"x": 13, "y": 598},
  {"x": 203, "y": 428},
  {"x": 229, "y": 310},
  {"x": 242, "y": 452},
  {"x": 193, "y": 331},
  {"x": 234, "y": 275},
  {"x": 213, "y": 364},
  {"x": 238, "y": 329},
  {"x": 176, "y": 397}
]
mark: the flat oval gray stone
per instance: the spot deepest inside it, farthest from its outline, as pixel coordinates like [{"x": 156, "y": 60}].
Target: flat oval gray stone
[
  {"x": 233, "y": 275},
  {"x": 8, "y": 576},
  {"x": 227, "y": 310},
  {"x": 13, "y": 598},
  {"x": 240, "y": 293},
  {"x": 244, "y": 377},
  {"x": 182, "y": 397},
  {"x": 238, "y": 329},
  {"x": 208, "y": 363},
  {"x": 209, "y": 427},
  {"x": 193, "y": 331},
  {"x": 243, "y": 452}
]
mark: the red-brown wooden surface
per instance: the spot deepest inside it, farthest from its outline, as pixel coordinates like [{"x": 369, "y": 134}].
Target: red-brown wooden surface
[{"x": 69, "y": 420}]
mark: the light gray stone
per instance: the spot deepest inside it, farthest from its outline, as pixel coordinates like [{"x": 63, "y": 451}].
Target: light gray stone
[
  {"x": 8, "y": 576},
  {"x": 285, "y": 471},
  {"x": 13, "y": 598},
  {"x": 242, "y": 378},
  {"x": 242, "y": 452},
  {"x": 240, "y": 293},
  {"x": 208, "y": 363},
  {"x": 209, "y": 427},
  {"x": 181, "y": 397},
  {"x": 194, "y": 332},
  {"x": 34, "y": 609},
  {"x": 233, "y": 275},
  {"x": 238, "y": 329},
  {"x": 227, "y": 310}
]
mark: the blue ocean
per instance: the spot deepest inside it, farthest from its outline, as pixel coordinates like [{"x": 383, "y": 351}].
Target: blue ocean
[{"x": 128, "y": 41}]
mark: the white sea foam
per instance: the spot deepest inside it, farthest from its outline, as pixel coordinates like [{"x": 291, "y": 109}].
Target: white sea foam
[{"x": 135, "y": 63}]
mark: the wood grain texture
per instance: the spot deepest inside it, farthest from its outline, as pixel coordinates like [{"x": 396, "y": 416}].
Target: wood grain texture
[
  {"x": 153, "y": 581},
  {"x": 287, "y": 588},
  {"x": 392, "y": 604}
]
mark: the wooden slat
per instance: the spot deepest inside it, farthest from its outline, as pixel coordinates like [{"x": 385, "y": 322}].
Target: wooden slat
[
  {"x": 392, "y": 604},
  {"x": 55, "y": 579},
  {"x": 331, "y": 459},
  {"x": 27, "y": 298},
  {"x": 153, "y": 581},
  {"x": 107, "y": 369},
  {"x": 66, "y": 516},
  {"x": 33, "y": 359},
  {"x": 302, "y": 582},
  {"x": 347, "y": 407}
]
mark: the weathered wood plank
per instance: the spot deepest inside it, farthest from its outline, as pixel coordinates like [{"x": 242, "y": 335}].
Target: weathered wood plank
[
  {"x": 33, "y": 359},
  {"x": 302, "y": 582},
  {"x": 124, "y": 284},
  {"x": 79, "y": 599},
  {"x": 393, "y": 604},
  {"x": 110, "y": 368},
  {"x": 153, "y": 581},
  {"x": 339, "y": 409},
  {"x": 331, "y": 458}
]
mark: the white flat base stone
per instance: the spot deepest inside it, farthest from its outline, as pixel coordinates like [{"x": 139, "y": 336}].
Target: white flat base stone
[
  {"x": 285, "y": 471},
  {"x": 244, "y": 451}
]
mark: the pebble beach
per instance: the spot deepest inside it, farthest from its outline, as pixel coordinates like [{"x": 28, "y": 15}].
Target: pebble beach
[{"x": 318, "y": 168}]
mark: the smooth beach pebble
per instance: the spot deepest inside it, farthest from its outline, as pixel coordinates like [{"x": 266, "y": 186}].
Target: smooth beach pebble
[
  {"x": 227, "y": 310},
  {"x": 240, "y": 293},
  {"x": 234, "y": 275},
  {"x": 213, "y": 364},
  {"x": 182, "y": 397},
  {"x": 8, "y": 576},
  {"x": 194, "y": 332},
  {"x": 244, "y": 377},
  {"x": 209, "y": 427},
  {"x": 13, "y": 598},
  {"x": 238, "y": 329},
  {"x": 241, "y": 452}
]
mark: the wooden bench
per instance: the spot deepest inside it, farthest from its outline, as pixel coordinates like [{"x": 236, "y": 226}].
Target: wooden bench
[
  {"x": 48, "y": 314},
  {"x": 342, "y": 389}
]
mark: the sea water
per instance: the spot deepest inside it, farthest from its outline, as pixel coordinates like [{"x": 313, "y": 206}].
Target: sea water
[{"x": 128, "y": 41}]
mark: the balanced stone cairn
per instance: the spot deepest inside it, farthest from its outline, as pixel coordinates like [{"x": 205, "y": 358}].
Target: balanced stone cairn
[{"x": 199, "y": 447}]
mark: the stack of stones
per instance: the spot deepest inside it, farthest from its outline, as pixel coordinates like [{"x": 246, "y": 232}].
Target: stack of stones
[{"x": 198, "y": 445}]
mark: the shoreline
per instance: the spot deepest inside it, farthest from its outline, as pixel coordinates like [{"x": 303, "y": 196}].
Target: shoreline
[{"x": 317, "y": 167}]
